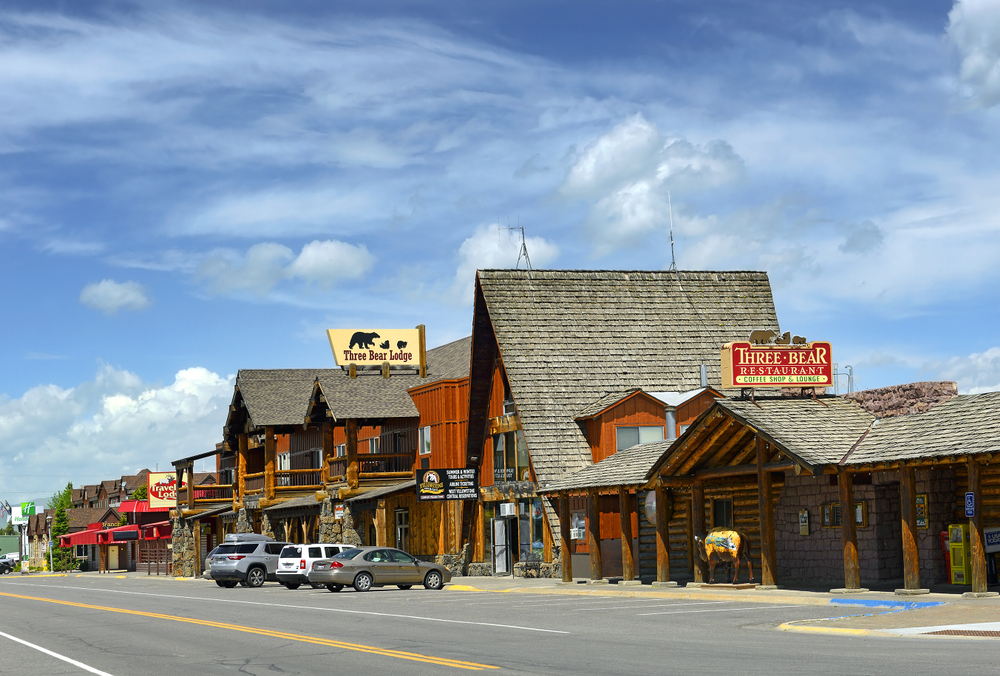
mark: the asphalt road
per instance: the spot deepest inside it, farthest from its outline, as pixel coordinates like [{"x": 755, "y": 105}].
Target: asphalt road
[{"x": 131, "y": 626}]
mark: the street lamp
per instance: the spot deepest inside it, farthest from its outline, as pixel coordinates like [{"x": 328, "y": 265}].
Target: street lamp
[{"x": 48, "y": 521}]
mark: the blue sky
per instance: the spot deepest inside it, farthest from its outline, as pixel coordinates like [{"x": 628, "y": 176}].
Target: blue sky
[{"x": 189, "y": 189}]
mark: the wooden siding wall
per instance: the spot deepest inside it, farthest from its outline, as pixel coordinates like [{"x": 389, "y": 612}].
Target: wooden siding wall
[
  {"x": 689, "y": 410},
  {"x": 444, "y": 407},
  {"x": 495, "y": 409},
  {"x": 432, "y": 524},
  {"x": 611, "y": 523},
  {"x": 634, "y": 411},
  {"x": 990, "y": 500},
  {"x": 365, "y": 432},
  {"x": 302, "y": 440}
]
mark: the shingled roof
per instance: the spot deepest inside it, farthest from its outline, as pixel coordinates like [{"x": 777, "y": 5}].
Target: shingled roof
[
  {"x": 628, "y": 467},
  {"x": 966, "y": 424},
  {"x": 570, "y": 337},
  {"x": 816, "y": 431},
  {"x": 280, "y": 397}
]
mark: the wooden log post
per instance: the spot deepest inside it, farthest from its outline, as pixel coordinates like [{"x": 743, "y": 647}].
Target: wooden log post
[
  {"x": 698, "y": 524},
  {"x": 190, "y": 483},
  {"x": 241, "y": 470},
  {"x": 908, "y": 517},
  {"x": 196, "y": 529},
  {"x": 352, "y": 452},
  {"x": 594, "y": 535},
  {"x": 328, "y": 451},
  {"x": 848, "y": 534},
  {"x": 662, "y": 536},
  {"x": 625, "y": 511},
  {"x": 765, "y": 507},
  {"x": 565, "y": 544},
  {"x": 976, "y": 548},
  {"x": 270, "y": 462}
]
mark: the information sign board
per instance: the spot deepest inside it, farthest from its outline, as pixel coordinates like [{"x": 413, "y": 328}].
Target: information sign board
[{"x": 448, "y": 484}]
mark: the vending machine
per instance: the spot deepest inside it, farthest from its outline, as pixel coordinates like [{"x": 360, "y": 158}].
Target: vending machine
[{"x": 961, "y": 557}]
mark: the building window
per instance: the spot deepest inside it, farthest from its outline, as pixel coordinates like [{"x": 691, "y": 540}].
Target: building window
[
  {"x": 722, "y": 513},
  {"x": 510, "y": 457},
  {"x": 425, "y": 441},
  {"x": 403, "y": 529},
  {"x": 627, "y": 437},
  {"x": 373, "y": 445},
  {"x": 340, "y": 451}
]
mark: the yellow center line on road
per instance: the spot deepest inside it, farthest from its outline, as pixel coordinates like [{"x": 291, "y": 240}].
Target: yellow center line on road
[{"x": 440, "y": 661}]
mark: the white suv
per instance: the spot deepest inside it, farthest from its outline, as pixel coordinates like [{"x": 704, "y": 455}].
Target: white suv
[{"x": 296, "y": 561}]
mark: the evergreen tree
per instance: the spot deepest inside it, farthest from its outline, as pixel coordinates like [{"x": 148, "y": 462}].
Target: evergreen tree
[
  {"x": 62, "y": 557},
  {"x": 140, "y": 493},
  {"x": 63, "y": 498}
]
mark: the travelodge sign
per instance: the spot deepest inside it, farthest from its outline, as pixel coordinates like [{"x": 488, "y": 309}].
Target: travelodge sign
[
  {"x": 777, "y": 365},
  {"x": 161, "y": 489}
]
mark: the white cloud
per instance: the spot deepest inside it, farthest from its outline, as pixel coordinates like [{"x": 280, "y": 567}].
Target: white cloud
[
  {"x": 487, "y": 248},
  {"x": 110, "y": 296},
  {"x": 112, "y": 425},
  {"x": 976, "y": 373},
  {"x": 625, "y": 175},
  {"x": 265, "y": 265},
  {"x": 325, "y": 263},
  {"x": 974, "y": 28}
]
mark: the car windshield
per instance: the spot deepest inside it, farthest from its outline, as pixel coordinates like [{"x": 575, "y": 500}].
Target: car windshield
[
  {"x": 291, "y": 552},
  {"x": 225, "y": 549},
  {"x": 347, "y": 554}
]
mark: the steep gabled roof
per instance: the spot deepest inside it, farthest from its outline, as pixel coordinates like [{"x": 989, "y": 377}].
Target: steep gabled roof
[
  {"x": 277, "y": 397},
  {"x": 569, "y": 337},
  {"x": 604, "y": 403},
  {"x": 966, "y": 424},
  {"x": 628, "y": 467},
  {"x": 369, "y": 395}
]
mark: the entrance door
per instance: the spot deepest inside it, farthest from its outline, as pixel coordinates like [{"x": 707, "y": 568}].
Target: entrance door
[
  {"x": 403, "y": 529},
  {"x": 113, "y": 557},
  {"x": 501, "y": 546}
]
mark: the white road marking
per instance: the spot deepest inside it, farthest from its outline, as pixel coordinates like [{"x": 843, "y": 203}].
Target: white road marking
[
  {"x": 658, "y": 605},
  {"x": 285, "y": 605},
  {"x": 717, "y": 610},
  {"x": 56, "y": 655}
]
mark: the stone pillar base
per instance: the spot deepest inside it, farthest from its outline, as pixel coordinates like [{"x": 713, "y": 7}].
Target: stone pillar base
[
  {"x": 630, "y": 583},
  {"x": 668, "y": 583},
  {"x": 601, "y": 581},
  {"x": 912, "y": 592},
  {"x": 695, "y": 585},
  {"x": 979, "y": 595},
  {"x": 766, "y": 587},
  {"x": 844, "y": 590}
]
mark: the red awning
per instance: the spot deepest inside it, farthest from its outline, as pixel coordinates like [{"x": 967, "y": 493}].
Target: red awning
[
  {"x": 83, "y": 537},
  {"x": 106, "y": 536},
  {"x": 161, "y": 530},
  {"x": 139, "y": 507}
]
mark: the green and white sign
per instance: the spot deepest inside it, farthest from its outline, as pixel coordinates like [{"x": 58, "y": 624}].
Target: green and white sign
[
  {"x": 18, "y": 517},
  {"x": 27, "y": 508}
]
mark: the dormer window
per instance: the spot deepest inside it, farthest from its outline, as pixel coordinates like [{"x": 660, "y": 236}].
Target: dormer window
[{"x": 627, "y": 437}]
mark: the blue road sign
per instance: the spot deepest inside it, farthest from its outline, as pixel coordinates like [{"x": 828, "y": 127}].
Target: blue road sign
[{"x": 970, "y": 505}]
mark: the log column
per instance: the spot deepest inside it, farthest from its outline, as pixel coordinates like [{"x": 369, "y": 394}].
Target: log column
[
  {"x": 241, "y": 470},
  {"x": 190, "y": 482},
  {"x": 269, "y": 462},
  {"x": 625, "y": 510},
  {"x": 977, "y": 550},
  {"x": 848, "y": 535},
  {"x": 662, "y": 536},
  {"x": 352, "y": 452},
  {"x": 327, "y": 453},
  {"x": 196, "y": 530},
  {"x": 908, "y": 515},
  {"x": 594, "y": 535},
  {"x": 565, "y": 544},
  {"x": 698, "y": 524},
  {"x": 765, "y": 506}
]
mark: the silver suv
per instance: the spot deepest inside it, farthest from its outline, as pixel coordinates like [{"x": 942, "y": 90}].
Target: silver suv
[
  {"x": 296, "y": 562},
  {"x": 246, "y": 558}
]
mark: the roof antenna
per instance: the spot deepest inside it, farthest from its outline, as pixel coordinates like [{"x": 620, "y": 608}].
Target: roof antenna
[
  {"x": 673, "y": 261},
  {"x": 523, "y": 251}
]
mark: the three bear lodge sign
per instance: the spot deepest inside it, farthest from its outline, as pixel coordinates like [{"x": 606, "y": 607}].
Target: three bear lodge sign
[
  {"x": 770, "y": 360},
  {"x": 374, "y": 347}
]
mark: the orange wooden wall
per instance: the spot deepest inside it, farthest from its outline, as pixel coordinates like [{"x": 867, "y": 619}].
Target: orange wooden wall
[
  {"x": 637, "y": 410},
  {"x": 444, "y": 407},
  {"x": 496, "y": 409}
]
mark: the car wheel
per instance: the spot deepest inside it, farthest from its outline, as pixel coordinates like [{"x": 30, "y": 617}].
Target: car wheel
[
  {"x": 404, "y": 586},
  {"x": 335, "y": 587},
  {"x": 230, "y": 584},
  {"x": 221, "y": 583},
  {"x": 433, "y": 580},
  {"x": 255, "y": 577},
  {"x": 291, "y": 585},
  {"x": 363, "y": 582}
]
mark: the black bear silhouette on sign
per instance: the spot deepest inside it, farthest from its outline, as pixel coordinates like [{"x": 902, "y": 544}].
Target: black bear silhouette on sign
[
  {"x": 385, "y": 345},
  {"x": 401, "y": 344}
]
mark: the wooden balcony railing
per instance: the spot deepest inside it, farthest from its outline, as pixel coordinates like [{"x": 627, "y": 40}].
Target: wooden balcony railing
[
  {"x": 383, "y": 464},
  {"x": 213, "y": 493},
  {"x": 253, "y": 483},
  {"x": 294, "y": 479},
  {"x": 338, "y": 469}
]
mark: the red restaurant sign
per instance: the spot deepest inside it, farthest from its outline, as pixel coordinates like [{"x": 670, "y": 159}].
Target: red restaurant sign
[{"x": 746, "y": 365}]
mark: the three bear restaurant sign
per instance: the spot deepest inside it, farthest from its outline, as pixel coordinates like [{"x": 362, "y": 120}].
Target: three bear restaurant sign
[
  {"x": 398, "y": 347},
  {"x": 769, "y": 360},
  {"x": 448, "y": 484}
]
